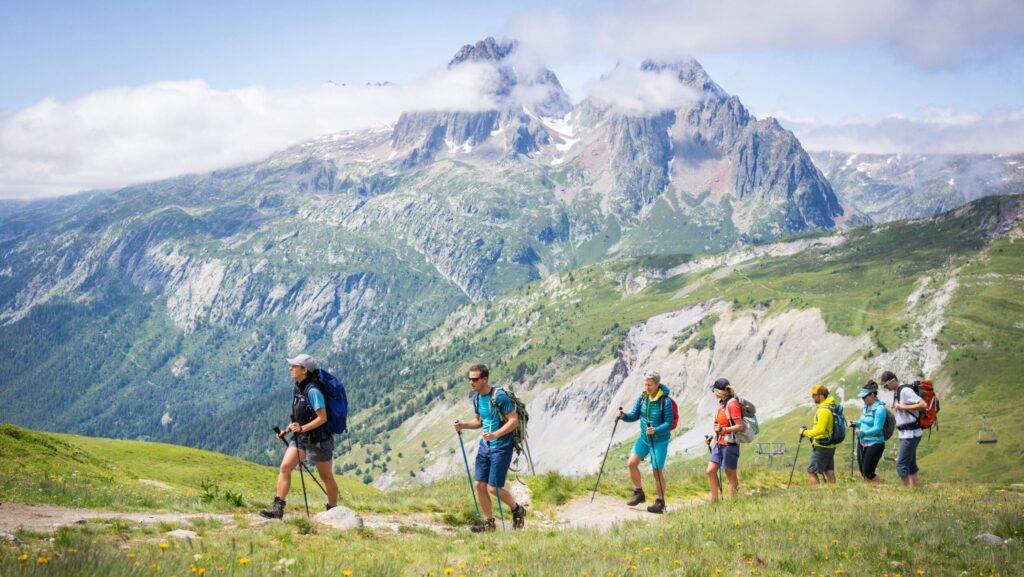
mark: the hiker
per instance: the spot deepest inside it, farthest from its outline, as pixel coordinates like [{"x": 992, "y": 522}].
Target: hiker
[
  {"x": 310, "y": 436},
  {"x": 907, "y": 405},
  {"x": 725, "y": 451},
  {"x": 494, "y": 456},
  {"x": 654, "y": 410},
  {"x": 870, "y": 427},
  {"x": 823, "y": 454}
]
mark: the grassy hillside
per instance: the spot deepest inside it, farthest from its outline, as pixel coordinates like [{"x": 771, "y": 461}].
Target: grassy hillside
[
  {"x": 79, "y": 471},
  {"x": 861, "y": 531},
  {"x": 547, "y": 332}
]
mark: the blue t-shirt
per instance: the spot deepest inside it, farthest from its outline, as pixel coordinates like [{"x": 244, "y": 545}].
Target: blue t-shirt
[
  {"x": 315, "y": 399},
  {"x": 489, "y": 417}
]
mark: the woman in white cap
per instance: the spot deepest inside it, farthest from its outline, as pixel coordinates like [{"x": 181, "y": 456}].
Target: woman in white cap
[
  {"x": 654, "y": 409},
  {"x": 309, "y": 435}
]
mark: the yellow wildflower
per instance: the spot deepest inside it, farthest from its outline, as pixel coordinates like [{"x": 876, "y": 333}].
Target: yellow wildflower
[
  {"x": 23, "y": 558},
  {"x": 163, "y": 545},
  {"x": 448, "y": 570},
  {"x": 244, "y": 561},
  {"x": 42, "y": 560},
  {"x": 347, "y": 572}
]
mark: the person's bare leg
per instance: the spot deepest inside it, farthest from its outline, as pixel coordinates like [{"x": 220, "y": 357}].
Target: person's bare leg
[
  {"x": 485, "y": 499},
  {"x": 284, "y": 473},
  {"x": 504, "y": 495},
  {"x": 659, "y": 480},
  {"x": 812, "y": 478},
  {"x": 713, "y": 480},
  {"x": 326, "y": 471},
  {"x": 830, "y": 477},
  {"x": 634, "y": 470},
  {"x": 734, "y": 482}
]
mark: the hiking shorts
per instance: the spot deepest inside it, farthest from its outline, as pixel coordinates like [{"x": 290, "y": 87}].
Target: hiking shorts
[
  {"x": 822, "y": 460},
  {"x": 642, "y": 448},
  {"x": 868, "y": 458},
  {"x": 492, "y": 463},
  {"x": 727, "y": 456},
  {"x": 319, "y": 451},
  {"x": 906, "y": 459}
]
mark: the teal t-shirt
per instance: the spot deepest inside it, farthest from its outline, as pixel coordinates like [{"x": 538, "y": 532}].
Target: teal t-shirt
[
  {"x": 489, "y": 417},
  {"x": 315, "y": 399}
]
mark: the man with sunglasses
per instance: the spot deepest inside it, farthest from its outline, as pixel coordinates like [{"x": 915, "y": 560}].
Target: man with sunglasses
[
  {"x": 908, "y": 406},
  {"x": 494, "y": 456}
]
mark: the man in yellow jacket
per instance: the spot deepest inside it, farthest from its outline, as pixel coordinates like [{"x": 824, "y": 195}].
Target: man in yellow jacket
[{"x": 823, "y": 457}]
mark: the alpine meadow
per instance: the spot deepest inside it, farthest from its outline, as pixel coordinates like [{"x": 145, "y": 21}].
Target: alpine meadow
[{"x": 586, "y": 281}]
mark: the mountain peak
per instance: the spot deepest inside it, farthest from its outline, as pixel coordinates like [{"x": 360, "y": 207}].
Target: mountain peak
[
  {"x": 486, "y": 49},
  {"x": 688, "y": 71}
]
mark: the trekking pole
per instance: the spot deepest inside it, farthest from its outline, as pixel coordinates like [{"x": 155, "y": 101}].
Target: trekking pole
[
  {"x": 302, "y": 464},
  {"x": 795, "y": 458},
  {"x": 501, "y": 513},
  {"x": 601, "y": 471},
  {"x": 853, "y": 451},
  {"x": 469, "y": 477}
]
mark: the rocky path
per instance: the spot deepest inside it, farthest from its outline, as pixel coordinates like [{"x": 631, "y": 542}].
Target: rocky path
[{"x": 603, "y": 513}]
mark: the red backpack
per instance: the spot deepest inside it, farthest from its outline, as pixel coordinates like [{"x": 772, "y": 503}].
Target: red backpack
[
  {"x": 926, "y": 390},
  {"x": 675, "y": 411}
]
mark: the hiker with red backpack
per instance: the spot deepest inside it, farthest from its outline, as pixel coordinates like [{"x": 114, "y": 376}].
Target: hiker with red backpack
[
  {"x": 725, "y": 448},
  {"x": 910, "y": 409},
  {"x": 312, "y": 433},
  {"x": 658, "y": 415}
]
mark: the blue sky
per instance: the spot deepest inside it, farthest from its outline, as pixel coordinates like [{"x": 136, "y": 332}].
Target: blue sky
[{"x": 822, "y": 66}]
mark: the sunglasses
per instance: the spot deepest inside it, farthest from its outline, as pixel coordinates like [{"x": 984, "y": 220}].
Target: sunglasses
[{"x": 473, "y": 380}]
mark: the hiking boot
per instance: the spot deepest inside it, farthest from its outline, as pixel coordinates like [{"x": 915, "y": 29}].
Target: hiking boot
[
  {"x": 328, "y": 506},
  {"x": 638, "y": 497},
  {"x": 275, "y": 512},
  {"x": 519, "y": 517},
  {"x": 482, "y": 526},
  {"x": 658, "y": 507}
]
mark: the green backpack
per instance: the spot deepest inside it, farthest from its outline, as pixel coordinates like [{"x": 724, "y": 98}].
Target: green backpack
[{"x": 519, "y": 435}]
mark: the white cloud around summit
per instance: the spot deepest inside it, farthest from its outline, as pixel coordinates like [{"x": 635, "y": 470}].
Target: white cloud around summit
[
  {"x": 930, "y": 131},
  {"x": 119, "y": 136}
]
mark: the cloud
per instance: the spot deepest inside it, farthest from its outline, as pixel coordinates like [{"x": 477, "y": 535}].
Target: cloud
[
  {"x": 119, "y": 136},
  {"x": 639, "y": 92},
  {"x": 931, "y": 131},
  {"x": 932, "y": 34}
]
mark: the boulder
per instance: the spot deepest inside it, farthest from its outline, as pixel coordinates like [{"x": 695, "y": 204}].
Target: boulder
[
  {"x": 989, "y": 539},
  {"x": 181, "y": 534},
  {"x": 341, "y": 518}
]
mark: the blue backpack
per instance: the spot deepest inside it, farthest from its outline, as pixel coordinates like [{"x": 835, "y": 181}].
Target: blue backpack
[
  {"x": 838, "y": 426},
  {"x": 337, "y": 402}
]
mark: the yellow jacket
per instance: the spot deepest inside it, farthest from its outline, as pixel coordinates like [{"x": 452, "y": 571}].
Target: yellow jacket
[{"x": 823, "y": 423}]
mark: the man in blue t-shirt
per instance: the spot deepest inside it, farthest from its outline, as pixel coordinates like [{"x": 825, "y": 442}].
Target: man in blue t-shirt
[{"x": 496, "y": 415}]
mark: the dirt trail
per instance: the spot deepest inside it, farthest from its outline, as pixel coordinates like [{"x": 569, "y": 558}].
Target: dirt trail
[
  {"x": 604, "y": 513},
  {"x": 47, "y": 518},
  {"x": 607, "y": 512}
]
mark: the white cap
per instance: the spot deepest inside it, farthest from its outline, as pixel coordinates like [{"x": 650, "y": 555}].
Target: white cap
[
  {"x": 652, "y": 375},
  {"x": 303, "y": 360}
]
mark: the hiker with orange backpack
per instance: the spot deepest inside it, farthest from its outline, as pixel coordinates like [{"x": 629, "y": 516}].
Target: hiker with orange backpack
[
  {"x": 725, "y": 451},
  {"x": 909, "y": 406},
  {"x": 658, "y": 415}
]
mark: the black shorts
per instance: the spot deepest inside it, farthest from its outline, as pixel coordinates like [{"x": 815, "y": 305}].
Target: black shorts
[{"x": 868, "y": 458}]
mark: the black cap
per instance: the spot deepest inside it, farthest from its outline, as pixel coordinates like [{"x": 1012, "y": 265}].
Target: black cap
[{"x": 720, "y": 384}]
